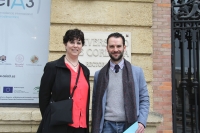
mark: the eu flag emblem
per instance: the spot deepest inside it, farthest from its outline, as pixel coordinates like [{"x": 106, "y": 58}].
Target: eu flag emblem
[{"x": 7, "y": 89}]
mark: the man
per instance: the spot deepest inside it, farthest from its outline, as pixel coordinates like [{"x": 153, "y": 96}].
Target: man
[{"x": 120, "y": 95}]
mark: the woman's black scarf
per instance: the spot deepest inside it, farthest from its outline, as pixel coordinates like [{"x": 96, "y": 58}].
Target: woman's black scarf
[{"x": 129, "y": 95}]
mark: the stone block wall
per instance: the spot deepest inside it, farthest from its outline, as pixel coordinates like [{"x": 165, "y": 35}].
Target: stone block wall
[
  {"x": 26, "y": 120},
  {"x": 112, "y": 16}
]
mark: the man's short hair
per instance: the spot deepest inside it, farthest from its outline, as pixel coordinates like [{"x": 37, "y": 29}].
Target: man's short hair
[
  {"x": 116, "y": 35},
  {"x": 73, "y": 34}
]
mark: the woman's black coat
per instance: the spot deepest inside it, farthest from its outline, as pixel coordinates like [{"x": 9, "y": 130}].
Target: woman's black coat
[{"x": 55, "y": 84}]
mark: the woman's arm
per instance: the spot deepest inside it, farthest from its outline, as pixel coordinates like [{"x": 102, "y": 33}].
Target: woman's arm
[{"x": 46, "y": 85}]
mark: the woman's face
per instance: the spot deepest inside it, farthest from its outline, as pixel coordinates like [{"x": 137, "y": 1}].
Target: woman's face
[{"x": 73, "y": 48}]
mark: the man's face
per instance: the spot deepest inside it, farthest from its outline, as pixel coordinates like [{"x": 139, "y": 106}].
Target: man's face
[{"x": 115, "y": 49}]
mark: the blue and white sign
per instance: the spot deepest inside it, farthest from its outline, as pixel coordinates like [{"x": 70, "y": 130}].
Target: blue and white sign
[{"x": 24, "y": 46}]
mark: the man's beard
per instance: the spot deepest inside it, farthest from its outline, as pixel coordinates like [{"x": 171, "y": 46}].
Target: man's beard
[{"x": 118, "y": 58}]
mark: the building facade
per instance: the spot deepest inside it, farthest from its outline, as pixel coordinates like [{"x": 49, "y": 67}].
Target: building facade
[{"x": 148, "y": 21}]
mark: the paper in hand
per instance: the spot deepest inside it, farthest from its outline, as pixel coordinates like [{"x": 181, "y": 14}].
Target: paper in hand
[{"x": 132, "y": 129}]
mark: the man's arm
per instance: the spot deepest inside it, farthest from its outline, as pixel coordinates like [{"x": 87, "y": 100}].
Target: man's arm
[{"x": 143, "y": 99}]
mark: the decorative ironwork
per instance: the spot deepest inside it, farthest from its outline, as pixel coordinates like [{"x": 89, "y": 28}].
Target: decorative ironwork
[
  {"x": 187, "y": 9},
  {"x": 186, "y": 65}
]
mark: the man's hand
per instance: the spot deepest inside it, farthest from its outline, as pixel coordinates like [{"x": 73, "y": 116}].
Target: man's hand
[{"x": 140, "y": 128}]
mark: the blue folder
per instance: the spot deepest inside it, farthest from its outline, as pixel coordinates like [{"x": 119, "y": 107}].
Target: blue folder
[{"x": 132, "y": 129}]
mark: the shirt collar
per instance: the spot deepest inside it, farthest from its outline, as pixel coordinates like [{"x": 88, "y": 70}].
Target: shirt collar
[{"x": 121, "y": 64}]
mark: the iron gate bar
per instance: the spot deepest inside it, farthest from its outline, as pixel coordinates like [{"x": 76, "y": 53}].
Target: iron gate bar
[
  {"x": 198, "y": 70},
  {"x": 173, "y": 81},
  {"x": 190, "y": 75},
  {"x": 195, "y": 83},
  {"x": 183, "y": 80}
]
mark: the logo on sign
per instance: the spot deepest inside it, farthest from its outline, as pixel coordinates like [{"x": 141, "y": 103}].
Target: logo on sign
[
  {"x": 7, "y": 89},
  {"x": 36, "y": 89},
  {"x": 3, "y": 58},
  {"x": 34, "y": 59},
  {"x": 21, "y": 4},
  {"x": 19, "y": 58}
]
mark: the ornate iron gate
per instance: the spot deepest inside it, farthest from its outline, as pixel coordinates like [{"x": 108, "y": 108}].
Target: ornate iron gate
[{"x": 186, "y": 65}]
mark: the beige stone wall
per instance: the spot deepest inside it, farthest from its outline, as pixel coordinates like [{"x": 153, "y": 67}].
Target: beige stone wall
[
  {"x": 112, "y": 16},
  {"x": 19, "y": 120},
  {"x": 133, "y": 16},
  {"x": 101, "y": 12},
  {"x": 26, "y": 120}
]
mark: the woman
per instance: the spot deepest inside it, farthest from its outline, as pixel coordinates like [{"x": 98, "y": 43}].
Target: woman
[{"x": 57, "y": 83}]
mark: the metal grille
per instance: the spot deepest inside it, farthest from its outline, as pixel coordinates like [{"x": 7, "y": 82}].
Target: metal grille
[{"x": 185, "y": 65}]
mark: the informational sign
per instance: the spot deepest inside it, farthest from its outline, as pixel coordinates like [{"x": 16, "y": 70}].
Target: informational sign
[
  {"x": 24, "y": 45},
  {"x": 94, "y": 54}
]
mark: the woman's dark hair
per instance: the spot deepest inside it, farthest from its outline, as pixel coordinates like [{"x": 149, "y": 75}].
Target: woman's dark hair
[
  {"x": 73, "y": 34},
  {"x": 116, "y": 35}
]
